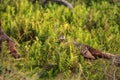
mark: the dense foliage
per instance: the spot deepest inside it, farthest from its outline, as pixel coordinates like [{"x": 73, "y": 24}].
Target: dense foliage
[{"x": 36, "y": 30}]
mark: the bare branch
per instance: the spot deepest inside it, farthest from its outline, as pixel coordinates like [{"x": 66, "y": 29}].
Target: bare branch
[{"x": 64, "y": 2}]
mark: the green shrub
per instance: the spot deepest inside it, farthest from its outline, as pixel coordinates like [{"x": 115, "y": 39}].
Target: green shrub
[{"x": 36, "y": 30}]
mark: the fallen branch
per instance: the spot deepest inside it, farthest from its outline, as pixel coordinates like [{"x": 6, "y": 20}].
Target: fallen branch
[
  {"x": 10, "y": 43},
  {"x": 62, "y": 2}
]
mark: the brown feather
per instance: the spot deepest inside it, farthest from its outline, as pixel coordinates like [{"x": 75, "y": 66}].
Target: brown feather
[
  {"x": 12, "y": 48},
  {"x": 10, "y": 43},
  {"x": 99, "y": 54}
]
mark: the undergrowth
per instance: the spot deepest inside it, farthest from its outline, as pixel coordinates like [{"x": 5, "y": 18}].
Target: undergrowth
[{"x": 36, "y": 30}]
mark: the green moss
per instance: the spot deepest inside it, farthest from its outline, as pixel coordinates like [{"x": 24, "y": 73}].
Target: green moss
[{"x": 36, "y": 29}]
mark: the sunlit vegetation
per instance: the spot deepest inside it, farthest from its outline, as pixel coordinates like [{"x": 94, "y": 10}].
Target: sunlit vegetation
[{"x": 36, "y": 29}]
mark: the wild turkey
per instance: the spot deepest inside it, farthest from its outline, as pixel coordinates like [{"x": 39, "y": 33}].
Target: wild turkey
[
  {"x": 92, "y": 53},
  {"x": 10, "y": 43}
]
